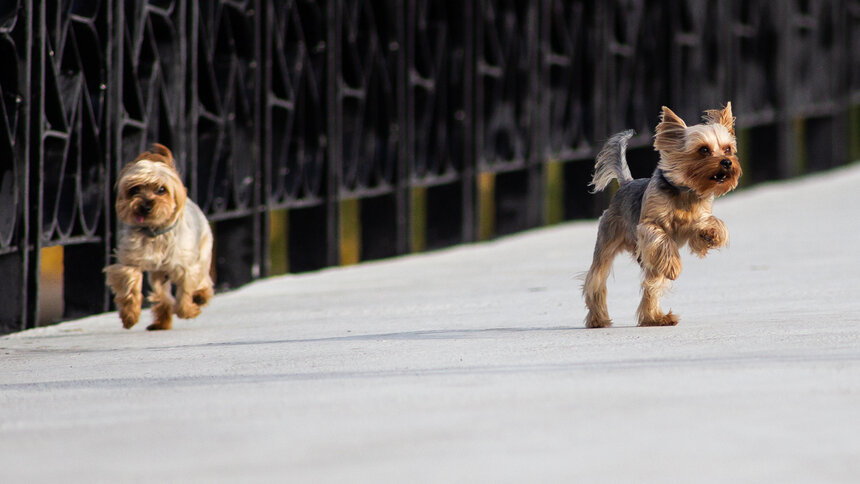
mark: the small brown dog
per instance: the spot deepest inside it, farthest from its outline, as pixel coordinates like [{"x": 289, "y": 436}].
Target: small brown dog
[
  {"x": 165, "y": 235},
  {"x": 654, "y": 217}
]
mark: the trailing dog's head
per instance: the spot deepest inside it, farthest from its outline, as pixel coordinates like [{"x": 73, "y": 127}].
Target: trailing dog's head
[{"x": 149, "y": 190}]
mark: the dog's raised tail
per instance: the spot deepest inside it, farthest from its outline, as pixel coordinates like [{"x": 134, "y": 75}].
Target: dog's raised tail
[{"x": 611, "y": 162}]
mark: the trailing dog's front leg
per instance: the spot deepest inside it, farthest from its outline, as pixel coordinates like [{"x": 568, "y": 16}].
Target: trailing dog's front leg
[{"x": 126, "y": 282}]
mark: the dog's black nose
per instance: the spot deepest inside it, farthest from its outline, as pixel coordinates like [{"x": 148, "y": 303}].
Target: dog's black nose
[
  {"x": 145, "y": 207},
  {"x": 727, "y": 163}
]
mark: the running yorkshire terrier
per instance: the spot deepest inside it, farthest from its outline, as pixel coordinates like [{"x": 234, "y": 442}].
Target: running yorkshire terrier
[
  {"x": 654, "y": 217},
  {"x": 164, "y": 234}
]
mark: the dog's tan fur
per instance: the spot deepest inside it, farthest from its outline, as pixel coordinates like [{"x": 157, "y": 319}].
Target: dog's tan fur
[
  {"x": 653, "y": 218},
  {"x": 165, "y": 235}
]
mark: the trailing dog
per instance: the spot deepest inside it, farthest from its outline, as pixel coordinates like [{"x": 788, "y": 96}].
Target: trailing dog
[{"x": 165, "y": 235}]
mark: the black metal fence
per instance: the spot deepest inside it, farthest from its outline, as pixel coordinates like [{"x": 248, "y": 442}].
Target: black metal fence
[{"x": 386, "y": 126}]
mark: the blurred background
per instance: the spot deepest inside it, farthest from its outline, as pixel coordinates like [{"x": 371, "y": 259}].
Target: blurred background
[{"x": 320, "y": 133}]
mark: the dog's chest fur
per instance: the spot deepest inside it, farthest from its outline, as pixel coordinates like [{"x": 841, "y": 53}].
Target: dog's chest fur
[
  {"x": 148, "y": 253},
  {"x": 188, "y": 244},
  {"x": 683, "y": 211}
]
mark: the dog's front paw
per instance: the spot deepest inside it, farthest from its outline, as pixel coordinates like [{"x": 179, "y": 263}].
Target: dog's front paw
[
  {"x": 186, "y": 309},
  {"x": 661, "y": 320},
  {"x": 130, "y": 315},
  {"x": 713, "y": 233},
  {"x": 712, "y": 237},
  {"x": 592, "y": 321}
]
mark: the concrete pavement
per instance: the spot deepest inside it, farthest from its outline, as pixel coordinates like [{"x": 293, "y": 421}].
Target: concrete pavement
[{"x": 472, "y": 365}]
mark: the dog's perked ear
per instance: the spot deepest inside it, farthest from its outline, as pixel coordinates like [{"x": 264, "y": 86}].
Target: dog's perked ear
[
  {"x": 180, "y": 196},
  {"x": 158, "y": 152},
  {"x": 671, "y": 131},
  {"x": 160, "y": 149},
  {"x": 721, "y": 116}
]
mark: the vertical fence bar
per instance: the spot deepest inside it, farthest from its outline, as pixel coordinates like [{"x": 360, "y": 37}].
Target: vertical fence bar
[
  {"x": 35, "y": 166},
  {"x": 402, "y": 192},
  {"x": 852, "y": 47},
  {"x": 16, "y": 53},
  {"x": 334, "y": 161},
  {"x": 469, "y": 163}
]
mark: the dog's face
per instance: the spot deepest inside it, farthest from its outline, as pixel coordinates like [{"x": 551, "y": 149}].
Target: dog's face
[
  {"x": 701, "y": 157},
  {"x": 149, "y": 190}
]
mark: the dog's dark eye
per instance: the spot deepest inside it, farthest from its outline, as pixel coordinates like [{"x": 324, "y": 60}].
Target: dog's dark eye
[
  {"x": 705, "y": 150},
  {"x": 161, "y": 191},
  {"x": 133, "y": 191},
  {"x": 728, "y": 150}
]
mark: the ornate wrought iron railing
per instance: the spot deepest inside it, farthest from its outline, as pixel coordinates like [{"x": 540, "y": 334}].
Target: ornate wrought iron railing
[{"x": 302, "y": 127}]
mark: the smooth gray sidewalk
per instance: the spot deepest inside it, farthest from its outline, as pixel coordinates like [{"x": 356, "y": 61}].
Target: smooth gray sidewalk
[{"x": 472, "y": 365}]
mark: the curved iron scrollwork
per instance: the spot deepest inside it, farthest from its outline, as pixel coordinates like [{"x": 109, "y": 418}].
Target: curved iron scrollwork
[
  {"x": 853, "y": 36},
  {"x": 637, "y": 64},
  {"x": 436, "y": 83},
  {"x": 74, "y": 121},
  {"x": 296, "y": 102},
  {"x": 368, "y": 86},
  {"x": 506, "y": 38},
  {"x": 699, "y": 51},
  {"x": 816, "y": 49},
  {"x": 152, "y": 75},
  {"x": 223, "y": 130},
  {"x": 567, "y": 58},
  {"x": 756, "y": 77},
  {"x": 14, "y": 57}
]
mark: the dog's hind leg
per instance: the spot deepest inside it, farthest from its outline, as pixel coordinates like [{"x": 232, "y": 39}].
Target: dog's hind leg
[
  {"x": 203, "y": 292},
  {"x": 609, "y": 243},
  {"x": 163, "y": 301}
]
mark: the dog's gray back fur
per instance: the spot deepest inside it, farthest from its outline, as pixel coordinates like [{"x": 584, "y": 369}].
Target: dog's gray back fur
[{"x": 611, "y": 162}]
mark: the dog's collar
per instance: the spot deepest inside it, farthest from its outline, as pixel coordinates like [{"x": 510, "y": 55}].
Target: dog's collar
[
  {"x": 672, "y": 186},
  {"x": 148, "y": 231}
]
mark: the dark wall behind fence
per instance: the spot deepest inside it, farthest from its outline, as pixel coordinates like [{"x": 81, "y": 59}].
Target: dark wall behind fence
[{"x": 314, "y": 133}]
